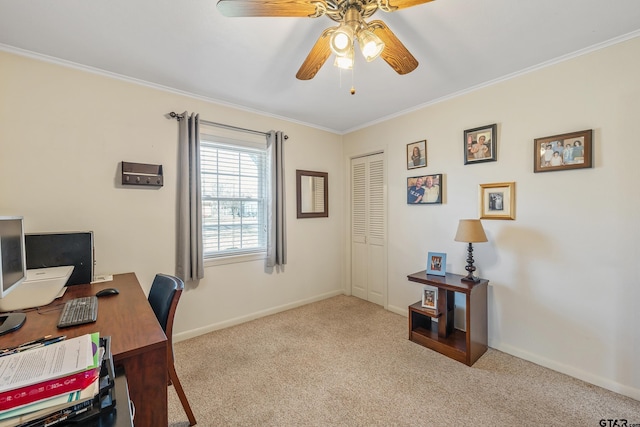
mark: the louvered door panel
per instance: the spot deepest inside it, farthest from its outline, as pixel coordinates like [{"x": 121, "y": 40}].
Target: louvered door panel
[
  {"x": 368, "y": 229},
  {"x": 377, "y": 266},
  {"x": 376, "y": 201},
  {"x": 359, "y": 228},
  {"x": 358, "y": 201}
]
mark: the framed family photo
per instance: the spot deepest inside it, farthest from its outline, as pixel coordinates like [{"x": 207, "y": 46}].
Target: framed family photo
[
  {"x": 437, "y": 263},
  {"x": 417, "y": 154},
  {"x": 424, "y": 190},
  {"x": 429, "y": 298},
  {"x": 563, "y": 152},
  {"x": 480, "y": 144},
  {"x": 498, "y": 201}
]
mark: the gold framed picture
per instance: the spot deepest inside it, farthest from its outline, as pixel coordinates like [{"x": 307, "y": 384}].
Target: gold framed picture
[{"x": 498, "y": 201}]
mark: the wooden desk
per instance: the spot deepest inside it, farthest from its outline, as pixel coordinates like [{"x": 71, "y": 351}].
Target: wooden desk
[{"x": 138, "y": 343}]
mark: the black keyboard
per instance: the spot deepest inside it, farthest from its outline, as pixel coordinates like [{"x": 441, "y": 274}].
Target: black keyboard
[{"x": 79, "y": 311}]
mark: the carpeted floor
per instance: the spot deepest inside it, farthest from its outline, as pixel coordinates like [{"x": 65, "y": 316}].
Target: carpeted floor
[{"x": 346, "y": 362}]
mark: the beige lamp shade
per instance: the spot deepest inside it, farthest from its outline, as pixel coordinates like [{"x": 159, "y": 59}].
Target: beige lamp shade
[{"x": 470, "y": 231}]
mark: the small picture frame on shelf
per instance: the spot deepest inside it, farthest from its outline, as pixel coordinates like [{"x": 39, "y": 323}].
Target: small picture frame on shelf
[
  {"x": 429, "y": 298},
  {"x": 437, "y": 263}
]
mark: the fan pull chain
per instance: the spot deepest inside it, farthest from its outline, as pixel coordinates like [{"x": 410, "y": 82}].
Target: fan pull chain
[{"x": 353, "y": 87}]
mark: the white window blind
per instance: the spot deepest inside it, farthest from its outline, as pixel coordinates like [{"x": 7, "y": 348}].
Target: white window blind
[{"x": 233, "y": 199}]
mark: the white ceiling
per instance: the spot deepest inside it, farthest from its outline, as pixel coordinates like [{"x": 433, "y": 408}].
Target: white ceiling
[{"x": 252, "y": 62}]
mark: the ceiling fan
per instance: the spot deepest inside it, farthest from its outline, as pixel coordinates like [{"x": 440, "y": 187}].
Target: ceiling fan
[{"x": 374, "y": 38}]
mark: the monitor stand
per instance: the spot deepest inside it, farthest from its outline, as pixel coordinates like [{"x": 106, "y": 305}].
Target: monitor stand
[{"x": 10, "y": 322}]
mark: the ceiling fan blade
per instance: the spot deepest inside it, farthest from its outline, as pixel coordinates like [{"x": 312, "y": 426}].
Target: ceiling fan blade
[
  {"x": 317, "y": 57},
  {"x": 394, "y": 52},
  {"x": 390, "y": 5},
  {"x": 282, "y": 8}
]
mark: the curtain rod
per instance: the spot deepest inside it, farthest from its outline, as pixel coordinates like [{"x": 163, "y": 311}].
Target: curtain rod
[{"x": 177, "y": 116}]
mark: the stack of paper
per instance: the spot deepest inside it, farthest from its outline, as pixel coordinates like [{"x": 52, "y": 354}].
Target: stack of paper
[{"x": 56, "y": 381}]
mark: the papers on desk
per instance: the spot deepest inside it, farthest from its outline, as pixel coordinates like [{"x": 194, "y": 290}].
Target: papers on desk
[
  {"x": 48, "y": 362},
  {"x": 48, "y": 371}
]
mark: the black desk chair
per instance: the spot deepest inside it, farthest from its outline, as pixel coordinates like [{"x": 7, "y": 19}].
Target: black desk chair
[{"x": 163, "y": 298}]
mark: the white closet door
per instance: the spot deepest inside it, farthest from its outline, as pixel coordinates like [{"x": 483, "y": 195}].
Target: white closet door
[
  {"x": 368, "y": 231},
  {"x": 359, "y": 251}
]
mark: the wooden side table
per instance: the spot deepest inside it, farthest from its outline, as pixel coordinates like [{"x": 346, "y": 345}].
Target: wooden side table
[{"x": 463, "y": 346}]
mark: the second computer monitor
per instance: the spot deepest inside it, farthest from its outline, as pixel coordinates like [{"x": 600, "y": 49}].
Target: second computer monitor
[{"x": 57, "y": 249}]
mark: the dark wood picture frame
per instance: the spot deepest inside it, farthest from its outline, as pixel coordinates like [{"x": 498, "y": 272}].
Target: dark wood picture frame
[
  {"x": 302, "y": 195},
  {"x": 426, "y": 194},
  {"x": 551, "y": 153},
  {"x": 480, "y": 144},
  {"x": 420, "y": 161}
]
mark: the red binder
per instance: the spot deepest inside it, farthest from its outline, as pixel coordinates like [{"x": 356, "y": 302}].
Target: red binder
[{"x": 46, "y": 389}]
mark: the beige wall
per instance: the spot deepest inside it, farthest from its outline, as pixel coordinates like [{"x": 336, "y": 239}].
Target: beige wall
[
  {"x": 564, "y": 287},
  {"x": 63, "y": 133}
]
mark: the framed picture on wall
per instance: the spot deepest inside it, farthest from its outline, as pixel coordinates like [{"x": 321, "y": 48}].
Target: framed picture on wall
[
  {"x": 417, "y": 154},
  {"x": 563, "y": 152},
  {"x": 437, "y": 263},
  {"x": 480, "y": 144},
  {"x": 498, "y": 201},
  {"x": 429, "y": 298},
  {"x": 424, "y": 190}
]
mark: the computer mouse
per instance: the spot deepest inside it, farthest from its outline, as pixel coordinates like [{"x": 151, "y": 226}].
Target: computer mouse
[{"x": 107, "y": 292}]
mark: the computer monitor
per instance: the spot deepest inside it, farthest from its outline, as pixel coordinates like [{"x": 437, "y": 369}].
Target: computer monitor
[
  {"x": 55, "y": 249},
  {"x": 12, "y": 252},
  {"x": 13, "y": 267}
]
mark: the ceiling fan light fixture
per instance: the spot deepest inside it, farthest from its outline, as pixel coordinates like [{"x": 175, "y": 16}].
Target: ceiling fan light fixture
[
  {"x": 350, "y": 24},
  {"x": 345, "y": 61},
  {"x": 370, "y": 45},
  {"x": 341, "y": 40}
]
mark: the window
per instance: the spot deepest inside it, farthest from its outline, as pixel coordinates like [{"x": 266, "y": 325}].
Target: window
[{"x": 234, "y": 197}]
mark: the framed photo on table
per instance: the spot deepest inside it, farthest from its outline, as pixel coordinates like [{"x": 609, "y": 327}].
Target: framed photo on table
[
  {"x": 429, "y": 298},
  {"x": 563, "y": 152},
  {"x": 480, "y": 144},
  {"x": 417, "y": 154},
  {"x": 437, "y": 263},
  {"x": 498, "y": 201}
]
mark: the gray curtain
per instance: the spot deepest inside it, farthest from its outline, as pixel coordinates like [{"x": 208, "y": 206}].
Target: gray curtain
[
  {"x": 190, "y": 262},
  {"x": 277, "y": 238}
]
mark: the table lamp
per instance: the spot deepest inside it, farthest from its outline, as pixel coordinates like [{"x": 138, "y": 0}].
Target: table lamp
[{"x": 470, "y": 231}]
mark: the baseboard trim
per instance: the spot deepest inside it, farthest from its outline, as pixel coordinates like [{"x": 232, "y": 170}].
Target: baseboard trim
[
  {"x": 252, "y": 316},
  {"x": 402, "y": 311},
  {"x": 614, "y": 386}
]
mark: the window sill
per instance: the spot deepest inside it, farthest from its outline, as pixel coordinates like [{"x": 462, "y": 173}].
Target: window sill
[{"x": 234, "y": 259}]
